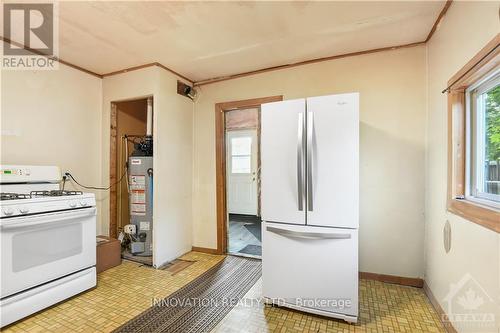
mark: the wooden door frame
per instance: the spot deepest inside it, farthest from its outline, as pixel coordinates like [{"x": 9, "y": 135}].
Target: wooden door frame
[
  {"x": 113, "y": 177},
  {"x": 113, "y": 213},
  {"x": 220, "y": 160}
]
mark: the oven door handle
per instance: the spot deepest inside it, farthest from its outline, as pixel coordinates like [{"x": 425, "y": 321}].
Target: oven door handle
[{"x": 46, "y": 219}]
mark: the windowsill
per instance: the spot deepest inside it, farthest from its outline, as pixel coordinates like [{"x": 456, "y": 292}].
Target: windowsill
[
  {"x": 485, "y": 216},
  {"x": 483, "y": 202}
]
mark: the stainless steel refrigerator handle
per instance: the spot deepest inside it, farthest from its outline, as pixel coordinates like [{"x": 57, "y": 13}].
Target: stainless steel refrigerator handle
[
  {"x": 307, "y": 235},
  {"x": 300, "y": 157},
  {"x": 309, "y": 166}
]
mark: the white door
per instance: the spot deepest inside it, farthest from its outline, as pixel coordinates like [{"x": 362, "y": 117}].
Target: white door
[
  {"x": 242, "y": 154},
  {"x": 333, "y": 161},
  {"x": 283, "y": 161},
  {"x": 312, "y": 268}
]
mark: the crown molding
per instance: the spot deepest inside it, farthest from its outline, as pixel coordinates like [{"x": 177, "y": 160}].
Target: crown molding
[
  {"x": 302, "y": 63},
  {"x": 11, "y": 42}
]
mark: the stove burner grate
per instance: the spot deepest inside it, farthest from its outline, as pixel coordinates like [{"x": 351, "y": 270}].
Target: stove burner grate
[
  {"x": 14, "y": 196},
  {"x": 54, "y": 193}
]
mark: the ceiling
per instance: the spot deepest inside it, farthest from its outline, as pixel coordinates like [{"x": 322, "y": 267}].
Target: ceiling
[{"x": 202, "y": 40}]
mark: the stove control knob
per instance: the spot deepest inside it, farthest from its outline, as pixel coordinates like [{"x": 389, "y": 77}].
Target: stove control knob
[
  {"x": 84, "y": 203},
  {"x": 24, "y": 210},
  {"x": 8, "y": 211},
  {"x": 72, "y": 204}
]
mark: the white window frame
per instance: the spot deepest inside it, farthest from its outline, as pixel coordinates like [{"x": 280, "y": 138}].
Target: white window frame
[
  {"x": 241, "y": 155},
  {"x": 475, "y": 130}
]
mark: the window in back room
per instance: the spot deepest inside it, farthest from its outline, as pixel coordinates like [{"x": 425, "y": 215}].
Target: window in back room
[{"x": 483, "y": 127}]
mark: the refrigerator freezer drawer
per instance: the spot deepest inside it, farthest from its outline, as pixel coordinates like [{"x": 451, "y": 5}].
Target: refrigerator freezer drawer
[{"x": 313, "y": 269}]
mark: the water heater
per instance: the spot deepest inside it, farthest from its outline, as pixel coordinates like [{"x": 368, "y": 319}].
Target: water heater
[{"x": 140, "y": 173}]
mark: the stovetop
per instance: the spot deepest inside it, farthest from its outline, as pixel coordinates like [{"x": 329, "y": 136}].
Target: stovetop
[
  {"x": 38, "y": 202},
  {"x": 38, "y": 194},
  {"x": 54, "y": 193}
]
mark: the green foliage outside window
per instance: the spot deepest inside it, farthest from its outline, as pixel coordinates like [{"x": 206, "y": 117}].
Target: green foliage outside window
[{"x": 493, "y": 124}]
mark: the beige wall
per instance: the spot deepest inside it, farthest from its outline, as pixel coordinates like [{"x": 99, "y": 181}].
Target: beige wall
[
  {"x": 53, "y": 118},
  {"x": 172, "y": 163},
  {"x": 466, "y": 28},
  {"x": 392, "y": 88}
]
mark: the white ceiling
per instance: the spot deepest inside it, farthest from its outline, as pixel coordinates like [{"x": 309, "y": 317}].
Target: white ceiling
[{"x": 203, "y": 40}]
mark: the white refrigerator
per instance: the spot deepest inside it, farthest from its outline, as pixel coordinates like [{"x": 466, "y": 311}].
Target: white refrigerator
[{"x": 309, "y": 208}]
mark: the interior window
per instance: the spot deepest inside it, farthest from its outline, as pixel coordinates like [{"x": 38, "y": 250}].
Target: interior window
[
  {"x": 241, "y": 155},
  {"x": 484, "y": 134}
]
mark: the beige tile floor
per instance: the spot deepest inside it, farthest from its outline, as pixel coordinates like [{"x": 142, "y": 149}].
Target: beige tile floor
[
  {"x": 127, "y": 290},
  {"x": 383, "y": 308},
  {"x": 122, "y": 293}
]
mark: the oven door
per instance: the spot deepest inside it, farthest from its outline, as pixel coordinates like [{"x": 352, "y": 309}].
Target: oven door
[{"x": 40, "y": 248}]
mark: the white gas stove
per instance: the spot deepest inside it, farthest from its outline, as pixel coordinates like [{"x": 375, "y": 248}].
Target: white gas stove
[
  {"x": 47, "y": 241},
  {"x": 16, "y": 204}
]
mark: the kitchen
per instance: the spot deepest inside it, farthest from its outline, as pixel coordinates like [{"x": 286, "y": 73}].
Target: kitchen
[{"x": 64, "y": 118}]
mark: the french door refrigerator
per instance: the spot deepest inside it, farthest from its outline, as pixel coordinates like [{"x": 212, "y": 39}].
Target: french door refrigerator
[{"x": 310, "y": 199}]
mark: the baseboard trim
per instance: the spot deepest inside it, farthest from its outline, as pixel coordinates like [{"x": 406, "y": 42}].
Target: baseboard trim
[
  {"x": 405, "y": 281},
  {"x": 205, "y": 250},
  {"x": 442, "y": 315}
]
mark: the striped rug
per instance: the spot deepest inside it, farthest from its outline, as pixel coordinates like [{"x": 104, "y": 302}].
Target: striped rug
[{"x": 201, "y": 304}]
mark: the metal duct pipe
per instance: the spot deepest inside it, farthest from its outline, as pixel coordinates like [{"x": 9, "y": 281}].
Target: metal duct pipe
[{"x": 149, "y": 124}]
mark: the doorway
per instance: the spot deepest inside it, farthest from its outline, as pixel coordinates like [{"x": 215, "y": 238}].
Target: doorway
[
  {"x": 129, "y": 130},
  {"x": 237, "y": 165},
  {"x": 242, "y": 183}
]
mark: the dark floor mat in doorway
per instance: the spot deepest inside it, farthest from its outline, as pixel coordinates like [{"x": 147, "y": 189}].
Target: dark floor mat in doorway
[
  {"x": 255, "y": 250},
  {"x": 201, "y": 304}
]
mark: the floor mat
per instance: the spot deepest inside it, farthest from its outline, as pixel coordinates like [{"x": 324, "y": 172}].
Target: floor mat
[
  {"x": 255, "y": 250},
  {"x": 201, "y": 304}
]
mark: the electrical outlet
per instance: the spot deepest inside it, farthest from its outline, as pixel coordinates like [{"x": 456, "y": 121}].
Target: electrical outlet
[{"x": 65, "y": 174}]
